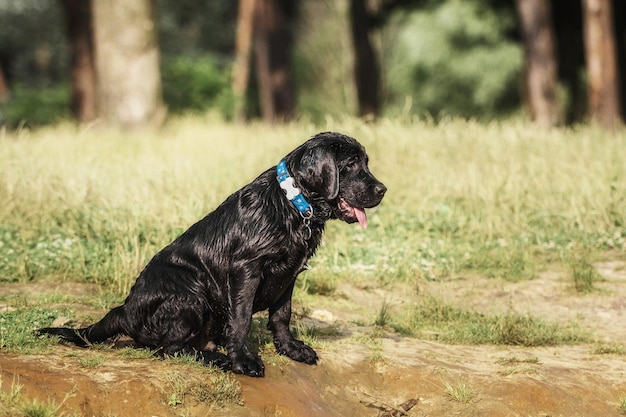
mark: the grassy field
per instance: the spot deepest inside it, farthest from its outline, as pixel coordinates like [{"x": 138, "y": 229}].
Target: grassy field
[{"x": 499, "y": 200}]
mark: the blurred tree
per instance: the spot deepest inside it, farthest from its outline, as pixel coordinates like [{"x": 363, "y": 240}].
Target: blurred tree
[
  {"x": 197, "y": 28},
  {"x": 541, "y": 61},
  {"x": 127, "y": 62},
  {"x": 619, "y": 9},
  {"x": 454, "y": 58},
  {"x": 567, "y": 17},
  {"x": 4, "y": 87},
  {"x": 600, "y": 54},
  {"x": 366, "y": 67},
  {"x": 243, "y": 47},
  {"x": 273, "y": 36},
  {"x": 83, "y": 71}
]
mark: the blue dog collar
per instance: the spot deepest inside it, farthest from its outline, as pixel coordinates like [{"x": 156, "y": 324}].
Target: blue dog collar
[{"x": 291, "y": 191}]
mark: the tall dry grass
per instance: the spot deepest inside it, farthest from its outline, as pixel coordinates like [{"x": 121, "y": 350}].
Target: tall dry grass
[{"x": 505, "y": 199}]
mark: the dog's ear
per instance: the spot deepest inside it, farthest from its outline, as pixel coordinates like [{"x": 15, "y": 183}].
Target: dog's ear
[{"x": 318, "y": 172}]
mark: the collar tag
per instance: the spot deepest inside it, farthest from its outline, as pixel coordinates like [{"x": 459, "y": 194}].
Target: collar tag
[{"x": 292, "y": 192}]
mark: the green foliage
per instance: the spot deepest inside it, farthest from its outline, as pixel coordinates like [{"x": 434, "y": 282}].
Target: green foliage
[
  {"x": 197, "y": 84},
  {"x": 36, "y": 106},
  {"x": 33, "y": 42},
  {"x": 455, "y": 60}
]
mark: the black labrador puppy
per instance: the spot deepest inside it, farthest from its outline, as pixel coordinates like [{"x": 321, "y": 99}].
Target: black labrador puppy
[{"x": 201, "y": 291}]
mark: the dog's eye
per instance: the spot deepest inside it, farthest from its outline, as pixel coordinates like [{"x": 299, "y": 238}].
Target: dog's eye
[{"x": 352, "y": 164}]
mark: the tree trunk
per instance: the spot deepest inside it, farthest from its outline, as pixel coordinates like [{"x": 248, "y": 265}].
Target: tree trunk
[
  {"x": 127, "y": 63},
  {"x": 567, "y": 17},
  {"x": 243, "y": 45},
  {"x": 619, "y": 12},
  {"x": 273, "y": 45},
  {"x": 83, "y": 73},
  {"x": 4, "y": 87},
  {"x": 600, "y": 55},
  {"x": 541, "y": 61},
  {"x": 366, "y": 69}
]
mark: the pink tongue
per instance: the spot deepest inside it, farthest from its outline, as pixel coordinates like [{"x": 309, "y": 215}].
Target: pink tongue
[{"x": 361, "y": 217}]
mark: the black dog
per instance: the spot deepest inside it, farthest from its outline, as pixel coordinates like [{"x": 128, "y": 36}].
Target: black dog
[{"x": 201, "y": 291}]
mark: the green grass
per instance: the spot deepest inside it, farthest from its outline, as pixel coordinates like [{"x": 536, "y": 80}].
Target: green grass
[
  {"x": 92, "y": 360},
  {"x": 17, "y": 330},
  {"x": 192, "y": 385},
  {"x": 461, "y": 392},
  {"x": 498, "y": 200},
  {"x": 432, "y": 318},
  {"x": 502, "y": 200}
]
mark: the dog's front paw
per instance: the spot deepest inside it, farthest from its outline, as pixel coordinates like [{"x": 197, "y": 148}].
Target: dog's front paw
[
  {"x": 296, "y": 350},
  {"x": 247, "y": 364}
]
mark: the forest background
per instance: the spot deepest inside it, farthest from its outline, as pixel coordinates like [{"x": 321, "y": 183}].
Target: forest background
[{"x": 130, "y": 63}]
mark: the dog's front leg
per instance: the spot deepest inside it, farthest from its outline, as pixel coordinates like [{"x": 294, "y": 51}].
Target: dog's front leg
[
  {"x": 286, "y": 344},
  {"x": 239, "y": 321}
]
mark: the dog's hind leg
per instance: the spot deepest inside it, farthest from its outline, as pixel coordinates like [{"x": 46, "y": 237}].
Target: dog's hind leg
[{"x": 210, "y": 358}]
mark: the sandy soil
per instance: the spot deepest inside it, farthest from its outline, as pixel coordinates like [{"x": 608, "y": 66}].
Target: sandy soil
[{"x": 505, "y": 381}]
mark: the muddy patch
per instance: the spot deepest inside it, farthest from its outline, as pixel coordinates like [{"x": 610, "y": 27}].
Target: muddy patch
[{"x": 444, "y": 380}]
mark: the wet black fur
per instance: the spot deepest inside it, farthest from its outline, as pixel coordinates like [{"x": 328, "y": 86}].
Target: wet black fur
[{"x": 201, "y": 291}]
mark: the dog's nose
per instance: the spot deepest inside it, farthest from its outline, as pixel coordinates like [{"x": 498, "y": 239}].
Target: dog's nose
[{"x": 380, "y": 189}]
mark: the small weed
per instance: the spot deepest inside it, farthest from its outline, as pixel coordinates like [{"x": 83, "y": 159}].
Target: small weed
[
  {"x": 608, "y": 348},
  {"x": 382, "y": 319},
  {"x": 271, "y": 357},
  {"x": 186, "y": 359},
  {"x": 202, "y": 385},
  {"x": 314, "y": 283},
  {"x": 327, "y": 331},
  {"x": 10, "y": 399},
  {"x": 374, "y": 342},
  {"x": 513, "y": 360},
  {"x": 462, "y": 393},
  {"x": 622, "y": 404},
  {"x": 514, "y": 365},
  {"x": 12, "y": 403},
  {"x": 583, "y": 274},
  {"x": 222, "y": 388},
  {"x": 40, "y": 409},
  {"x": 132, "y": 353},
  {"x": 308, "y": 334},
  {"x": 92, "y": 361}
]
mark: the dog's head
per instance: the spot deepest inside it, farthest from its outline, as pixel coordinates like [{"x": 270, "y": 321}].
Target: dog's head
[{"x": 333, "y": 172}]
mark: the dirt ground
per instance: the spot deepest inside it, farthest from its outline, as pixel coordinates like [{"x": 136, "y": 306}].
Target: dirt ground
[{"x": 354, "y": 379}]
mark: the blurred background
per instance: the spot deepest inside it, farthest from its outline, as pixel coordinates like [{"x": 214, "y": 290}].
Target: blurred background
[{"x": 131, "y": 63}]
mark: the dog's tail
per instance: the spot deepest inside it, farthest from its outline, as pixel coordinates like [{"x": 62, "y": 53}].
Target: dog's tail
[{"x": 111, "y": 325}]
